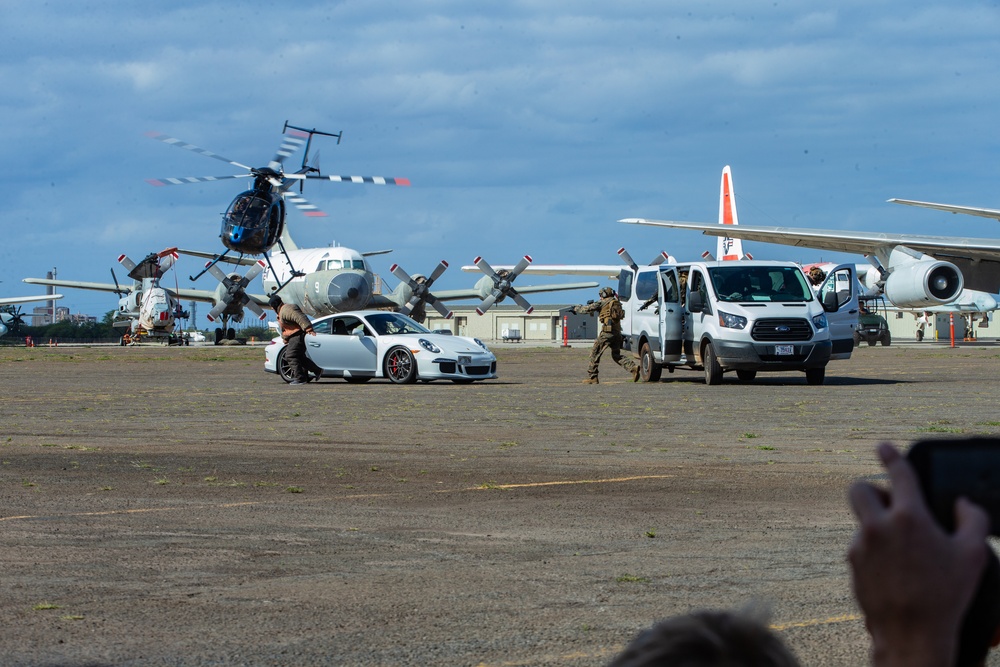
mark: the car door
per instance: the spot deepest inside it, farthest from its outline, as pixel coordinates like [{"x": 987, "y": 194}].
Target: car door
[
  {"x": 671, "y": 320},
  {"x": 841, "y": 280},
  {"x": 342, "y": 346}
]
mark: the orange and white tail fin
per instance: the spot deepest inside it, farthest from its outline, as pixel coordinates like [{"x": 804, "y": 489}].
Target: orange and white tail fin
[{"x": 728, "y": 248}]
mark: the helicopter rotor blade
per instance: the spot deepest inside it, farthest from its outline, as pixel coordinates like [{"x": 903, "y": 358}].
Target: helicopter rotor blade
[
  {"x": 309, "y": 209},
  {"x": 184, "y": 180},
  {"x": 170, "y": 141},
  {"x": 375, "y": 180},
  {"x": 292, "y": 141}
]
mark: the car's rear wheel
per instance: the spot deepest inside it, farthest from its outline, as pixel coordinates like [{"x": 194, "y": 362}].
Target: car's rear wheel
[
  {"x": 281, "y": 363},
  {"x": 400, "y": 366}
]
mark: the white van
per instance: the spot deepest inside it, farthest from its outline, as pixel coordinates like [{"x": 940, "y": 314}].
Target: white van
[{"x": 744, "y": 316}]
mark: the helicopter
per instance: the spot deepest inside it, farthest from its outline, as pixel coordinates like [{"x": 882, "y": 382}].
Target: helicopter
[{"x": 255, "y": 219}]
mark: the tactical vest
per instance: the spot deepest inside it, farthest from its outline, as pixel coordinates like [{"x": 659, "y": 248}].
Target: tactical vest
[{"x": 611, "y": 314}]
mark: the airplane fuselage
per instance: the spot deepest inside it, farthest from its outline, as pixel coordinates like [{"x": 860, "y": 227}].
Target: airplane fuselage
[{"x": 336, "y": 279}]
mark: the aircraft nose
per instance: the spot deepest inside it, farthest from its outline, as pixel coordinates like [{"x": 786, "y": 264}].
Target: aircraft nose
[{"x": 349, "y": 291}]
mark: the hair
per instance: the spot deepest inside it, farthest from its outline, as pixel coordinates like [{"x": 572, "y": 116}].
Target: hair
[
  {"x": 708, "y": 639},
  {"x": 982, "y": 618}
]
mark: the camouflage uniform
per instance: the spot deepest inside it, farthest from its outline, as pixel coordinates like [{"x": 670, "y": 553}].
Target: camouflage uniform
[{"x": 610, "y": 336}]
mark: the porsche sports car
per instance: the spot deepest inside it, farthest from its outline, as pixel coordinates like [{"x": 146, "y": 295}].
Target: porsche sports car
[{"x": 366, "y": 344}]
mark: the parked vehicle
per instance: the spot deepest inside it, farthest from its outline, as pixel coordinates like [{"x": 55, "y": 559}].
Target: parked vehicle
[
  {"x": 743, "y": 316},
  {"x": 873, "y": 328},
  {"x": 360, "y": 345}
]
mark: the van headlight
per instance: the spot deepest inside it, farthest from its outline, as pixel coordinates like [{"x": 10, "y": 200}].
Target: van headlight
[
  {"x": 429, "y": 346},
  {"x": 819, "y": 321},
  {"x": 730, "y": 321}
]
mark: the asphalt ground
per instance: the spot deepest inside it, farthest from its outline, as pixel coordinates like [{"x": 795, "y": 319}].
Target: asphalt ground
[{"x": 180, "y": 506}]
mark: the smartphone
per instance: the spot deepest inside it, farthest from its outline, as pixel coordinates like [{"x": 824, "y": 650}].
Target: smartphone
[{"x": 949, "y": 469}]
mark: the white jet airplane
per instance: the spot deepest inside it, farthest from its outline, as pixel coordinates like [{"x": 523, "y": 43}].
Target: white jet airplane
[{"x": 913, "y": 271}]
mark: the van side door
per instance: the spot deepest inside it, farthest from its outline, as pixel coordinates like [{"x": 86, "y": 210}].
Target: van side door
[
  {"x": 671, "y": 320},
  {"x": 839, "y": 297}
]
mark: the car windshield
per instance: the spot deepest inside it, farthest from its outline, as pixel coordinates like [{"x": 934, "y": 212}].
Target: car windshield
[
  {"x": 394, "y": 323},
  {"x": 759, "y": 283}
]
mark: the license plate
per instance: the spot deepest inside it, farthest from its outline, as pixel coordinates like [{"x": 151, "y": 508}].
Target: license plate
[{"x": 784, "y": 349}]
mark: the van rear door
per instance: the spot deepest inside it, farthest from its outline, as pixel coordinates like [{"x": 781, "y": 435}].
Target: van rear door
[{"x": 842, "y": 281}]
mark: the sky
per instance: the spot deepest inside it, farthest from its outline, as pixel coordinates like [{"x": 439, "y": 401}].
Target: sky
[{"x": 524, "y": 127}]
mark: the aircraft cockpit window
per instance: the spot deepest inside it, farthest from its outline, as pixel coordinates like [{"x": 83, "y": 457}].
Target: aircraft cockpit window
[{"x": 358, "y": 264}]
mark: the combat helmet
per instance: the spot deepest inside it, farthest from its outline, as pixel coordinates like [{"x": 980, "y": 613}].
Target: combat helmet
[{"x": 606, "y": 292}]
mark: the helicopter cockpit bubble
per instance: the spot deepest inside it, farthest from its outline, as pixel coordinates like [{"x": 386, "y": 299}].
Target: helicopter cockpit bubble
[{"x": 245, "y": 223}]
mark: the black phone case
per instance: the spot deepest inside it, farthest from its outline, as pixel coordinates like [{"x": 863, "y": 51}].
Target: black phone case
[{"x": 952, "y": 468}]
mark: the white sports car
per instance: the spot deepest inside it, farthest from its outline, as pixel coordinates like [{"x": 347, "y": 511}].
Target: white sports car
[{"x": 362, "y": 345}]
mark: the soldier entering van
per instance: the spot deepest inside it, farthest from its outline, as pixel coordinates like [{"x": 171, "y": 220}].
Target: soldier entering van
[{"x": 610, "y": 335}]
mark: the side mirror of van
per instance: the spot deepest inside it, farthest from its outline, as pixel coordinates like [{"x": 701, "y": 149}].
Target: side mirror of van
[
  {"x": 695, "y": 302},
  {"x": 830, "y": 302}
]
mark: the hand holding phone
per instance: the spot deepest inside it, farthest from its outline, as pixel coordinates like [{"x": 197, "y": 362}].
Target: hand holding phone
[{"x": 952, "y": 468}]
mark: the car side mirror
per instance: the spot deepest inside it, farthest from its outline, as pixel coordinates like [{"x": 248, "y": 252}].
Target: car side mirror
[
  {"x": 695, "y": 303},
  {"x": 830, "y": 302}
]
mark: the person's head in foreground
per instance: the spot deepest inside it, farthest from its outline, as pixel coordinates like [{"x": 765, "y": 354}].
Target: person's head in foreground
[{"x": 708, "y": 639}]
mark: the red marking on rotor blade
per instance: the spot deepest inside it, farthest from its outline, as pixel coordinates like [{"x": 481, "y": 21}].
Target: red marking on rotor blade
[
  {"x": 528, "y": 312},
  {"x": 479, "y": 311},
  {"x": 393, "y": 268},
  {"x": 298, "y": 133},
  {"x": 528, "y": 257},
  {"x": 315, "y": 214},
  {"x": 445, "y": 263},
  {"x": 402, "y": 181},
  {"x": 153, "y": 181},
  {"x": 121, "y": 257},
  {"x": 476, "y": 260}
]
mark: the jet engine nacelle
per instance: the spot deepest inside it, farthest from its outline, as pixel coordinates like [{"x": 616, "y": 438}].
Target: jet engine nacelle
[
  {"x": 337, "y": 291},
  {"x": 922, "y": 283}
]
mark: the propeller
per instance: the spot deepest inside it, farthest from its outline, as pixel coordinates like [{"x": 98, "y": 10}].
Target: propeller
[
  {"x": 235, "y": 297},
  {"x": 12, "y": 320},
  {"x": 503, "y": 284},
  {"x": 421, "y": 291}
]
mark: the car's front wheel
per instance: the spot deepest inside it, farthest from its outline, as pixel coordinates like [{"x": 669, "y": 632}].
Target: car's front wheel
[{"x": 400, "y": 366}]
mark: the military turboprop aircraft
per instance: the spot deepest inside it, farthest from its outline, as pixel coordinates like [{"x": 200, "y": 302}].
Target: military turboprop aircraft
[
  {"x": 337, "y": 279},
  {"x": 913, "y": 271},
  {"x": 255, "y": 219},
  {"x": 13, "y": 320},
  {"x": 149, "y": 310}
]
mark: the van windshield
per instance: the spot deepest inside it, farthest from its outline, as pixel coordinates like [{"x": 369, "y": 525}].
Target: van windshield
[{"x": 759, "y": 283}]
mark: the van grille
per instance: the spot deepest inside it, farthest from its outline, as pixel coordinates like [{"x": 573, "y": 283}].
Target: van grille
[{"x": 781, "y": 329}]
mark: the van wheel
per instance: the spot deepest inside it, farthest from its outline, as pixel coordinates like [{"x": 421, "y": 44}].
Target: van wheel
[
  {"x": 815, "y": 375},
  {"x": 887, "y": 339},
  {"x": 746, "y": 376},
  {"x": 649, "y": 369},
  {"x": 713, "y": 371}
]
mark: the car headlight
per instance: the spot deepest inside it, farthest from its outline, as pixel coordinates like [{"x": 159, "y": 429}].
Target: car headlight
[
  {"x": 429, "y": 346},
  {"x": 481, "y": 344},
  {"x": 819, "y": 321},
  {"x": 731, "y": 321}
]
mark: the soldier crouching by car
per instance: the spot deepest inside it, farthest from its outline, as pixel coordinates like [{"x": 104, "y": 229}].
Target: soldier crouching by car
[{"x": 610, "y": 336}]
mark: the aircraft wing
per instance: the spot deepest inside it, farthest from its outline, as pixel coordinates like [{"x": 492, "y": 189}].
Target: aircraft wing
[
  {"x": 606, "y": 270},
  {"x": 843, "y": 240},
  {"x": 11, "y": 300},
  {"x": 207, "y": 296},
  {"x": 456, "y": 294},
  {"x": 239, "y": 261},
  {"x": 967, "y": 210}
]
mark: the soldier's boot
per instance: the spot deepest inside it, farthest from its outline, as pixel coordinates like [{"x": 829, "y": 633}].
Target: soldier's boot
[
  {"x": 636, "y": 373},
  {"x": 591, "y": 381}
]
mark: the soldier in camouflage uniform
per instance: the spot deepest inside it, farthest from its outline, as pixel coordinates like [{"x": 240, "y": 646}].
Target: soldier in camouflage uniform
[{"x": 610, "y": 336}]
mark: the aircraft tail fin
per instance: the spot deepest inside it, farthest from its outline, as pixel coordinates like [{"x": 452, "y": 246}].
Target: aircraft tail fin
[{"x": 728, "y": 248}]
